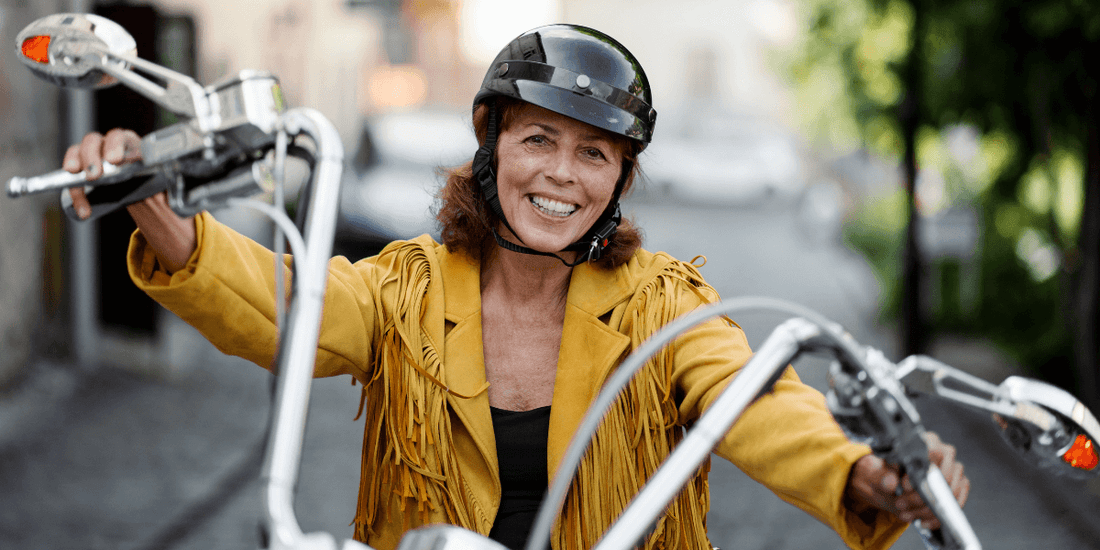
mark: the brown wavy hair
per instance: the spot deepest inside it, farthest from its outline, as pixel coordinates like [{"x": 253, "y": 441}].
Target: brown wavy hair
[{"x": 466, "y": 221}]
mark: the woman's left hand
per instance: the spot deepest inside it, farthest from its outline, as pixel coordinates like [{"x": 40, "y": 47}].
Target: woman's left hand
[{"x": 874, "y": 483}]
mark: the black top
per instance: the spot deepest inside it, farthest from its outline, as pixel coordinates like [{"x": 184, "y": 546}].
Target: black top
[{"x": 521, "y": 459}]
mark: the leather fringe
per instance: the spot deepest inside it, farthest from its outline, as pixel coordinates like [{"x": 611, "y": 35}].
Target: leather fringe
[
  {"x": 637, "y": 435},
  {"x": 407, "y": 439}
]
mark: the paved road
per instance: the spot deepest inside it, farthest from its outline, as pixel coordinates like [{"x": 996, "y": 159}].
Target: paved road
[
  {"x": 773, "y": 251},
  {"x": 123, "y": 461}
]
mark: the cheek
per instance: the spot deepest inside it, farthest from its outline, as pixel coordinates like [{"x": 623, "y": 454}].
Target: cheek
[
  {"x": 603, "y": 185},
  {"x": 513, "y": 172}
]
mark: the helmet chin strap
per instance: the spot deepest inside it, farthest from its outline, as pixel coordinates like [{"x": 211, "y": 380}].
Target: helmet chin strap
[{"x": 589, "y": 248}]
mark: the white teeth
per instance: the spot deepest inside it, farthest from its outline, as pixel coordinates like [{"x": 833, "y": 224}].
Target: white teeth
[{"x": 552, "y": 207}]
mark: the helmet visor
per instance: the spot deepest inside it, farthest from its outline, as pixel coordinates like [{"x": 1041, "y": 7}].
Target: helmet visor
[{"x": 574, "y": 95}]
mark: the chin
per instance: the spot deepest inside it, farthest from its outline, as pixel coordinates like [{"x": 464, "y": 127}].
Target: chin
[
  {"x": 543, "y": 241},
  {"x": 552, "y": 246}
]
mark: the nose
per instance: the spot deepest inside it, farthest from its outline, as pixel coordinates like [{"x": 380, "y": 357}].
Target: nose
[{"x": 562, "y": 168}]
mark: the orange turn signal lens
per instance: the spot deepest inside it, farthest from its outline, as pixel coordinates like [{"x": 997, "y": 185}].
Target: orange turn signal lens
[
  {"x": 1082, "y": 454},
  {"x": 37, "y": 48}
]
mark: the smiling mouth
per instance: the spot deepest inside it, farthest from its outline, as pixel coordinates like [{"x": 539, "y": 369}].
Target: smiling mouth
[{"x": 552, "y": 207}]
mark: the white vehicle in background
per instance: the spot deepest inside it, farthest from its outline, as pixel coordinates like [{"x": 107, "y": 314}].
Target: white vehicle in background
[
  {"x": 723, "y": 159},
  {"x": 390, "y": 191},
  {"x": 390, "y": 188}
]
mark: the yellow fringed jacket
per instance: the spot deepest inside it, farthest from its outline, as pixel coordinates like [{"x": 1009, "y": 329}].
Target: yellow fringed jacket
[{"x": 407, "y": 325}]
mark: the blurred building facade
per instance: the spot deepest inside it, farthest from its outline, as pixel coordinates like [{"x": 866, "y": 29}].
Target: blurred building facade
[
  {"x": 318, "y": 48},
  {"x": 709, "y": 53},
  {"x": 29, "y": 278}
]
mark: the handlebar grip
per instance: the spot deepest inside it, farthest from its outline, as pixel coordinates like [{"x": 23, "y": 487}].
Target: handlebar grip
[
  {"x": 955, "y": 532},
  {"x": 108, "y": 198},
  {"x": 61, "y": 179}
]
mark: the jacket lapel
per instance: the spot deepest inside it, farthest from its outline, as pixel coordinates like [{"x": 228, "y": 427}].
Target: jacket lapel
[
  {"x": 464, "y": 357},
  {"x": 589, "y": 351}
]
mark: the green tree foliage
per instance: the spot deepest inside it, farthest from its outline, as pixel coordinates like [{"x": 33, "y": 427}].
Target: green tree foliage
[{"x": 1018, "y": 73}]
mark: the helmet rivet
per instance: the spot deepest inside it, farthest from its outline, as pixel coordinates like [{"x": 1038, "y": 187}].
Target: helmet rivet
[
  {"x": 503, "y": 70},
  {"x": 583, "y": 81}
]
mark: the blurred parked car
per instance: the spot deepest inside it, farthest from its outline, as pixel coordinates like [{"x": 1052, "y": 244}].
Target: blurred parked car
[
  {"x": 392, "y": 179},
  {"x": 723, "y": 159}
]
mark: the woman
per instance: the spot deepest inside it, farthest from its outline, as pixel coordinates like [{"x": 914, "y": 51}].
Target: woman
[{"x": 479, "y": 356}]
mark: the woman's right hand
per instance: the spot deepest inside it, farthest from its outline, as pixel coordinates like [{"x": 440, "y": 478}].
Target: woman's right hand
[
  {"x": 171, "y": 237},
  {"x": 117, "y": 147}
]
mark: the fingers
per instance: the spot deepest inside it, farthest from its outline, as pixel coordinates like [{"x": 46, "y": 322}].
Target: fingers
[
  {"x": 876, "y": 483},
  {"x": 944, "y": 456},
  {"x": 71, "y": 162},
  {"x": 84, "y": 157},
  {"x": 888, "y": 482},
  {"x": 81, "y": 205},
  {"x": 121, "y": 146},
  {"x": 117, "y": 147},
  {"x": 91, "y": 155},
  {"x": 911, "y": 506},
  {"x": 960, "y": 484},
  {"x": 941, "y": 454}
]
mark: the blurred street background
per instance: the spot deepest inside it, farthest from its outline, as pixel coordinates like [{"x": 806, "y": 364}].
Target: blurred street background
[{"x": 925, "y": 173}]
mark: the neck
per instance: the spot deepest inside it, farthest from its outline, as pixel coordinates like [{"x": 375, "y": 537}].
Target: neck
[{"x": 524, "y": 277}]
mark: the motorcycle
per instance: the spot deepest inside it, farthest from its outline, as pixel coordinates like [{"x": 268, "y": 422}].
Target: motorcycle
[{"x": 233, "y": 141}]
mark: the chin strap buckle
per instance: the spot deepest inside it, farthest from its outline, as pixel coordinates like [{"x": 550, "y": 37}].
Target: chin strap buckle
[{"x": 601, "y": 237}]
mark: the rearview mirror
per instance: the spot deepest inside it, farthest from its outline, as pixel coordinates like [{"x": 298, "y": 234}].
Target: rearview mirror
[
  {"x": 72, "y": 49},
  {"x": 1065, "y": 446}
]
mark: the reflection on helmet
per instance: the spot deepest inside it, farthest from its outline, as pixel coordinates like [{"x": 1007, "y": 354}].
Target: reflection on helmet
[{"x": 577, "y": 72}]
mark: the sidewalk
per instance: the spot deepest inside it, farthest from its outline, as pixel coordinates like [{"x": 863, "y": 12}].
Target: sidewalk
[
  {"x": 112, "y": 460},
  {"x": 34, "y": 400}
]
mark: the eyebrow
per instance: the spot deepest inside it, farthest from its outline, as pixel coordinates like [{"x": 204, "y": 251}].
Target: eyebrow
[
  {"x": 548, "y": 129},
  {"x": 555, "y": 132}
]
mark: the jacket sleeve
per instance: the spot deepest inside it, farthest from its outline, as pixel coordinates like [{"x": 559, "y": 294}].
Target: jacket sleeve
[
  {"x": 227, "y": 288},
  {"x": 787, "y": 440}
]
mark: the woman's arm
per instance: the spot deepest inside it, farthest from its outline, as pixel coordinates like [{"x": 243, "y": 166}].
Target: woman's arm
[
  {"x": 786, "y": 440},
  {"x": 790, "y": 442},
  {"x": 221, "y": 282},
  {"x": 226, "y": 290}
]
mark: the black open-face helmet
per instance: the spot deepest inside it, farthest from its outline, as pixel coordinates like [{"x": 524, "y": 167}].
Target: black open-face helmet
[
  {"x": 583, "y": 74},
  {"x": 578, "y": 72}
]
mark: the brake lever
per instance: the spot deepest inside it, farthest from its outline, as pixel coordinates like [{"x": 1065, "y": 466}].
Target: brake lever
[
  {"x": 955, "y": 532},
  {"x": 871, "y": 405}
]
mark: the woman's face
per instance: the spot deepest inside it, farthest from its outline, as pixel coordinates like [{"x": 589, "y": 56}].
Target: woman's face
[{"x": 555, "y": 176}]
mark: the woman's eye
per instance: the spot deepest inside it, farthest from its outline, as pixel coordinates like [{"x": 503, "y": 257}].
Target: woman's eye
[{"x": 594, "y": 154}]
